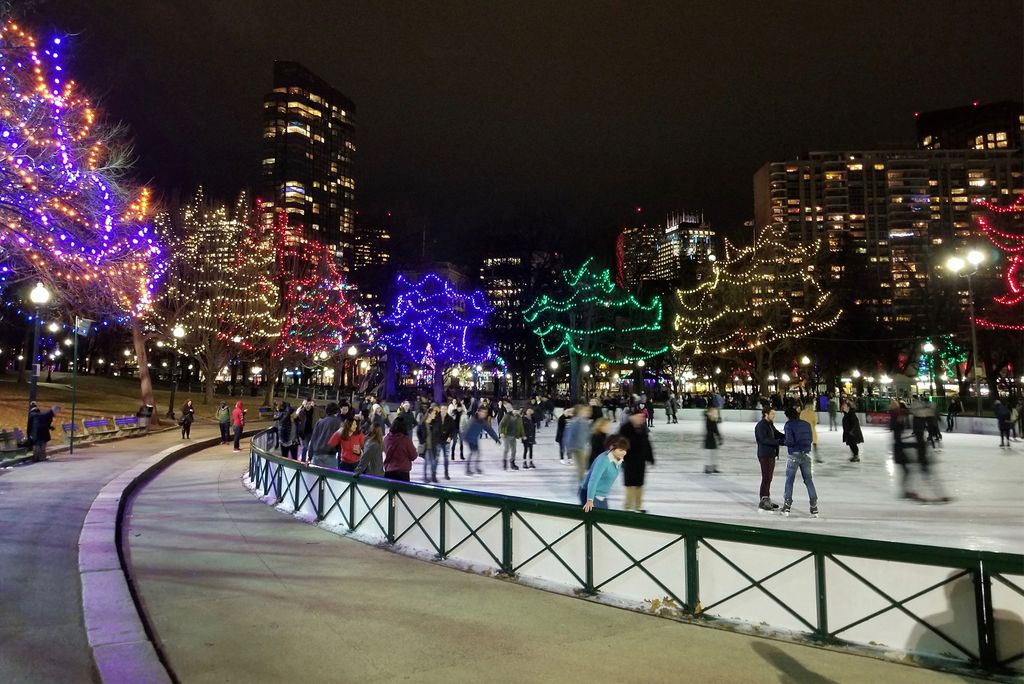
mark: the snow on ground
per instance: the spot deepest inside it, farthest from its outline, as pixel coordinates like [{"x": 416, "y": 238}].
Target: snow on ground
[{"x": 855, "y": 499}]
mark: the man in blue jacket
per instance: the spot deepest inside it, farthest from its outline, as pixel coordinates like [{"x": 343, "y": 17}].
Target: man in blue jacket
[
  {"x": 798, "y": 439},
  {"x": 768, "y": 440},
  {"x": 474, "y": 430}
]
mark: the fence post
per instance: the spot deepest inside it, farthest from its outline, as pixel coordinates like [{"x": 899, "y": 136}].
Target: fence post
[
  {"x": 391, "y": 516},
  {"x": 985, "y": 616},
  {"x": 822, "y": 594},
  {"x": 506, "y": 539},
  {"x": 320, "y": 498},
  {"x": 351, "y": 506},
  {"x": 692, "y": 575},
  {"x": 588, "y": 534},
  {"x": 441, "y": 535},
  {"x": 279, "y": 483},
  {"x": 295, "y": 495}
]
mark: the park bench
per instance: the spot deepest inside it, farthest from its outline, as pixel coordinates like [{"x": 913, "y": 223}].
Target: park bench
[
  {"x": 129, "y": 425},
  {"x": 9, "y": 449},
  {"x": 265, "y": 413},
  {"x": 73, "y": 432},
  {"x": 99, "y": 428}
]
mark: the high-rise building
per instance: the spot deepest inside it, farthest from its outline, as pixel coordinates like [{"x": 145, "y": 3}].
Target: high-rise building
[
  {"x": 308, "y": 151},
  {"x": 993, "y": 126},
  {"x": 668, "y": 253},
  {"x": 888, "y": 219},
  {"x": 371, "y": 266},
  {"x": 636, "y": 248}
]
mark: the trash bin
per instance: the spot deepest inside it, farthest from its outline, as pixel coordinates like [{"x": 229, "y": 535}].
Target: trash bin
[{"x": 144, "y": 413}]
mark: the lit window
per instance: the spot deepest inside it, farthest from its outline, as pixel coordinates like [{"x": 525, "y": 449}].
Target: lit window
[{"x": 1001, "y": 135}]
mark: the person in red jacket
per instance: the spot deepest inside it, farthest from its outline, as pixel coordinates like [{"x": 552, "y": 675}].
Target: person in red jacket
[
  {"x": 399, "y": 453},
  {"x": 349, "y": 441},
  {"x": 237, "y": 423}
]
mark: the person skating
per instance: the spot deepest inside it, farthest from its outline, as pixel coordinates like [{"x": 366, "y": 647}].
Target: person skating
[
  {"x": 599, "y": 479},
  {"x": 560, "y": 432},
  {"x": 349, "y": 442},
  {"x": 371, "y": 462},
  {"x": 798, "y": 439},
  {"x": 305, "y": 419},
  {"x": 899, "y": 421},
  {"x": 224, "y": 422},
  {"x": 287, "y": 433},
  {"x": 599, "y": 439},
  {"x": 576, "y": 438},
  {"x": 320, "y": 452},
  {"x": 832, "y": 407},
  {"x": 188, "y": 416},
  {"x": 432, "y": 430},
  {"x": 768, "y": 439},
  {"x": 1003, "y": 421},
  {"x": 475, "y": 427},
  {"x": 712, "y": 439},
  {"x": 510, "y": 429},
  {"x": 635, "y": 464},
  {"x": 449, "y": 435},
  {"x": 810, "y": 416},
  {"x": 852, "y": 435},
  {"x": 399, "y": 452},
  {"x": 954, "y": 410},
  {"x": 529, "y": 438}
]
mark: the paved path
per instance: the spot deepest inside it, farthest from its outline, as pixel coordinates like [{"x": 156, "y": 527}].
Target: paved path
[
  {"x": 238, "y": 592},
  {"x": 42, "y": 508}
]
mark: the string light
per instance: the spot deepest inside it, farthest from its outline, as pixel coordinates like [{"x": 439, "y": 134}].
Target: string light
[
  {"x": 749, "y": 300},
  {"x": 596, "y": 298},
  {"x": 1011, "y": 245}
]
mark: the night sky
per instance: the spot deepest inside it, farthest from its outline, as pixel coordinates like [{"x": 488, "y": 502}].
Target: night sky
[{"x": 485, "y": 117}]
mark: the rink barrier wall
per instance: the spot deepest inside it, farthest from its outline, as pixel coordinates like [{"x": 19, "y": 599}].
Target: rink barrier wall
[
  {"x": 940, "y": 606},
  {"x": 964, "y": 424}
]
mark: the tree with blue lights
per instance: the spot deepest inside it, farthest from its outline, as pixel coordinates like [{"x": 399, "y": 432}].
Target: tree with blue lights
[{"x": 432, "y": 323}]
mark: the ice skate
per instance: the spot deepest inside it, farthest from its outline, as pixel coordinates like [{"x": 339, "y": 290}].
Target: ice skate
[
  {"x": 786, "y": 508},
  {"x": 767, "y": 505},
  {"x": 814, "y": 509},
  {"x": 513, "y": 466}
]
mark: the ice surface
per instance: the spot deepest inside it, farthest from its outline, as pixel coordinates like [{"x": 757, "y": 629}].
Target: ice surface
[{"x": 855, "y": 499}]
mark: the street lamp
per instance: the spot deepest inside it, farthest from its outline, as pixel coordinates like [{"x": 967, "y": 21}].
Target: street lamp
[
  {"x": 929, "y": 349},
  {"x": 178, "y": 332},
  {"x": 40, "y": 297},
  {"x": 956, "y": 265},
  {"x": 553, "y": 365}
]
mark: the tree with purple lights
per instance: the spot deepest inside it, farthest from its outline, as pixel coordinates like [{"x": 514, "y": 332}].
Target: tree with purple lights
[
  {"x": 434, "y": 324},
  {"x": 67, "y": 216}
]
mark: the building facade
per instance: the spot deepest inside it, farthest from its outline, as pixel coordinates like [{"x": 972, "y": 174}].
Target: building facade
[
  {"x": 307, "y": 161},
  {"x": 668, "y": 253},
  {"x": 888, "y": 219},
  {"x": 372, "y": 266},
  {"x": 994, "y": 126}
]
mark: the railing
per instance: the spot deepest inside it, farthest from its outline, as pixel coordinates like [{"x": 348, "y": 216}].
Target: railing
[{"x": 937, "y": 604}]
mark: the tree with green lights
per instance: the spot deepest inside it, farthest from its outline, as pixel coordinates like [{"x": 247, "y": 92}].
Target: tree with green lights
[{"x": 596, "y": 321}]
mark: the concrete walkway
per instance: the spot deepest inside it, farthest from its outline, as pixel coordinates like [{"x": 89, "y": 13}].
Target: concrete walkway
[
  {"x": 42, "y": 508},
  {"x": 238, "y": 592}
]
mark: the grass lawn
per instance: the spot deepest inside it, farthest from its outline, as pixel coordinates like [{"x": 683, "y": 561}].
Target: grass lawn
[{"x": 98, "y": 396}]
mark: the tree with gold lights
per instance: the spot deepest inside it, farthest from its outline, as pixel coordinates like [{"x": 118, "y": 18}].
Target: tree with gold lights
[
  {"x": 68, "y": 217},
  {"x": 756, "y": 302},
  {"x": 596, "y": 321}
]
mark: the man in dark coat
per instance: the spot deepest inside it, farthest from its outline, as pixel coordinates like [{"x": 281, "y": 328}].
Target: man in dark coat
[
  {"x": 39, "y": 425},
  {"x": 635, "y": 463},
  {"x": 852, "y": 435},
  {"x": 769, "y": 439}
]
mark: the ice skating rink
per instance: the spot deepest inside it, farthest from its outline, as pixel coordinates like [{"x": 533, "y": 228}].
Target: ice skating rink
[{"x": 985, "y": 482}]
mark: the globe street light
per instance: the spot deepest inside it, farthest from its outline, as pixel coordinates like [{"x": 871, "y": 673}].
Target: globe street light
[
  {"x": 40, "y": 297},
  {"x": 956, "y": 265},
  {"x": 929, "y": 349},
  {"x": 553, "y": 365}
]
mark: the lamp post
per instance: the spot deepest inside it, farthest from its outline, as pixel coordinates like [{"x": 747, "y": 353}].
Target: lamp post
[
  {"x": 178, "y": 333},
  {"x": 956, "y": 265},
  {"x": 40, "y": 297},
  {"x": 929, "y": 349}
]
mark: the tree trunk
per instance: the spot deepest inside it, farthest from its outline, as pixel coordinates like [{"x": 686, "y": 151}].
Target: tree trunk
[
  {"x": 574, "y": 377},
  {"x": 390, "y": 371},
  {"x": 438, "y": 382},
  {"x": 145, "y": 382},
  {"x": 27, "y": 356}
]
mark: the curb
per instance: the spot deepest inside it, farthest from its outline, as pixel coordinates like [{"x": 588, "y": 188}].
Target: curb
[{"x": 122, "y": 642}]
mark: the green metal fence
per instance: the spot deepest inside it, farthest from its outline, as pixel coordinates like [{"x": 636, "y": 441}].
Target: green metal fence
[{"x": 933, "y": 602}]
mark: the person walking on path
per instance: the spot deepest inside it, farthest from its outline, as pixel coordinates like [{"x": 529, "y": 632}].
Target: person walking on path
[
  {"x": 712, "y": 439},
  {"x": 40, "y": 423},
  {"x": 560, "y": 433},
  {"x": 529, "y": 438},
  {"x": 576, "y": 439},
  {"x": 305, "y": 419},
  {"x": 475, "y": 427},
  {"x": 188, "y": 416},
  {"x": 810, "y": 416},
  {"x": 399, "y": 453},
  {"x": 349, "y": 442},
  {"x": 768, "y": 439},
  {"x": 237, "y": 423},
  {"x": 321, "y": 453},
  {"x": 798, "y": 437},
  {"x": 955, "y": 409},
  {"x": 852, "y": 435},
  {"x": 832, "y": 407},
  {"x": 287, "y": 434},
  {"x": 598, "y": 482},
  {"x": 371, "y": 462},
  {"x": 1003, "y": 420},
  {"x": 635, "y": 464},
  {"x": 224, "y": 422},
  {"x": 510, "y": 428}
]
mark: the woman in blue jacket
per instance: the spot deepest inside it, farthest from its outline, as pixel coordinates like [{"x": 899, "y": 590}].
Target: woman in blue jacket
[{"x": 602, "y": 475}]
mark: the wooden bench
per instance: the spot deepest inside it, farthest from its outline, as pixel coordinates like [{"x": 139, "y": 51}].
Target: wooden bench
[
  {"x": 99, "y": 428},
  {"x": 266, "y": 413},
  {"x": 73, "y": 432},
  {"x": 129, "y": 425},
  {"x": 9, "y": 443}
]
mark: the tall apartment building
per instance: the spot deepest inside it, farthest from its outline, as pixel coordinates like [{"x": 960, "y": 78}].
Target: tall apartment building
[
  {"x": 993, "y": 126},
  {"x": 371, "y": 265},
  {"x": 308, "y": 150},
  {"x": 669, "y": 252},
  {"x": 889, "y": 219}
]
